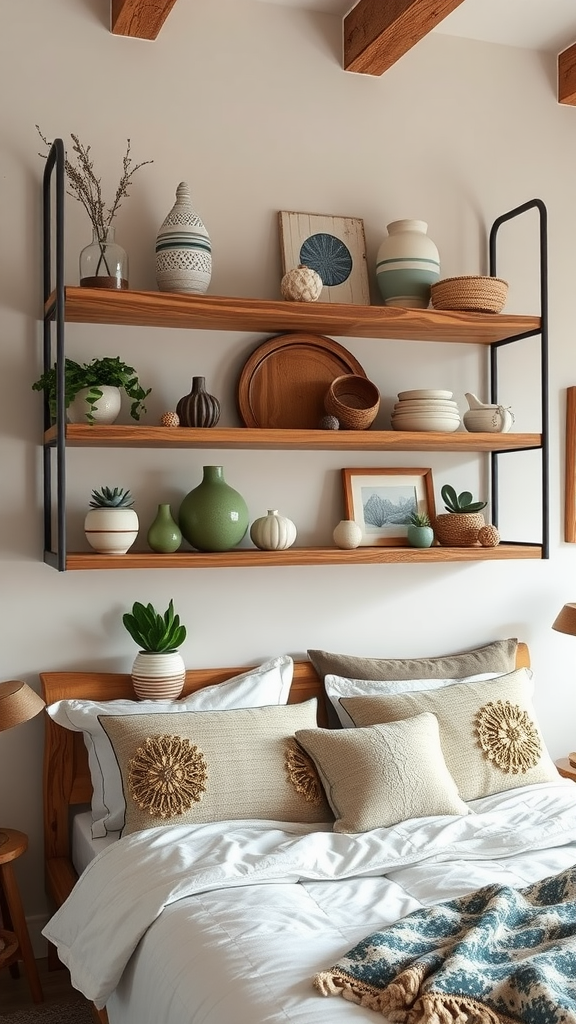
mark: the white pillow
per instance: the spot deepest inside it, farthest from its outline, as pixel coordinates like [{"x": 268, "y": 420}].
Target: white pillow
[
  {"x": 339, "y": 686},
  {"x": 268, "y": 684}
]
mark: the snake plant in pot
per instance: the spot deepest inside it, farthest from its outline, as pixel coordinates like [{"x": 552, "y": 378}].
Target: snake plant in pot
[
  {"x": 158, "y": 672},
  {"x": 460, "y": 525}
]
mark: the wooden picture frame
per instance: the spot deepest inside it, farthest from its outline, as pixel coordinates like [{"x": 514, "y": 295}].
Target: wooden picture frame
[
  {"x": 382, "y": 500},
  {"x": 570, "y": 468},
  {"x": 335, "y": 247}
]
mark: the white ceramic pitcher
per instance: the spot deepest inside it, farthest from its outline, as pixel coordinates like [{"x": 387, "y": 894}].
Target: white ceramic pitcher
[{"x": 491, "y": 419}]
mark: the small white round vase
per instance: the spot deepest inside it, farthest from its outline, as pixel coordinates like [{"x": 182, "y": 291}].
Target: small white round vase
[{"x": 347, "y": 534}]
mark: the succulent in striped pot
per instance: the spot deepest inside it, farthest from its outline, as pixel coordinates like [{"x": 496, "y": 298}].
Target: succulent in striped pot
[{"x": 111, "y": 524}]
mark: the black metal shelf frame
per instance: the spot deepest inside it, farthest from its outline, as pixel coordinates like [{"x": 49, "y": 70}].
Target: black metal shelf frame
[{"x": 54, "y": 318}]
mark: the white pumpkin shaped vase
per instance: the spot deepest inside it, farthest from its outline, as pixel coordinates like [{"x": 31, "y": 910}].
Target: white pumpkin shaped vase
[{"x": 273, "y": 532}]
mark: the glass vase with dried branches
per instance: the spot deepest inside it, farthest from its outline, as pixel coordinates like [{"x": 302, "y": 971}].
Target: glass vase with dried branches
[{"x": 103, "y": 263}]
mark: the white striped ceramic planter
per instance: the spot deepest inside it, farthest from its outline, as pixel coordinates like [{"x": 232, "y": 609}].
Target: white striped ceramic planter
[
  {"x": 183, "y": 249},
  {"x": 111, "y": 531},
  {"x": 407, "y": 265},
  {"x": 158, "y": 675}
]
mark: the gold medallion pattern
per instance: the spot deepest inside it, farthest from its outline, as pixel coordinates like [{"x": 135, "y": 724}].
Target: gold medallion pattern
[
  {"x": 508, "y": 736},
  {"x": 302, "y": 774},
  {"x": 167, "y": 776}
]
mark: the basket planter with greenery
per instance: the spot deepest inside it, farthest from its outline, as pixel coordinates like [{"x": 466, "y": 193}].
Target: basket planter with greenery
[
  {"x": 87, "y": 383},
  {"x": 460, "y": 525},
  {"x": 111, "y": 525},
  {"x": 158, "y": 672}
]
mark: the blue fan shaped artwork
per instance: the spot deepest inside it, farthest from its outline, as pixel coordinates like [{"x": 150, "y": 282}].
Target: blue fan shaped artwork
[{"x": 328, "y": 256}]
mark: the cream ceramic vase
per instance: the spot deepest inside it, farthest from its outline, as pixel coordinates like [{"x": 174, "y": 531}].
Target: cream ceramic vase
[
  {"x": 407, "y": 265},
  {"x": 273, "y": 532},
  {"x": 183, "y": 248},
  {"x": 347, "y": 534},
  {"x": 158, "y": 675}
]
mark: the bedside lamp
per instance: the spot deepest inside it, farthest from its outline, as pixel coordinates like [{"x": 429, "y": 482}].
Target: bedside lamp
[
  {"x": 18, "y": 703},
  {"x": 565, "y": 622}
]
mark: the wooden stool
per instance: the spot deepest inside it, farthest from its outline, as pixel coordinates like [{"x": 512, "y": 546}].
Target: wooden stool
[{"x": 12, "y": 845}]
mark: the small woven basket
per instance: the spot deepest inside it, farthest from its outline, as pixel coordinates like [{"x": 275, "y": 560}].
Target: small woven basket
[
  {"x": 458, "y": 529},
  {"x": 472, "y": 294},
  {"x": 354, "y": 400}
]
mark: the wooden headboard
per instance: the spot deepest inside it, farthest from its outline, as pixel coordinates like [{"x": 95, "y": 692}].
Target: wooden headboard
[{"x": 66, "y": 776}]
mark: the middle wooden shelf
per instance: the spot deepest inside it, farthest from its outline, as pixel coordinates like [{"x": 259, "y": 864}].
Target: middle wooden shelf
[{"x": 126, "y": 436}]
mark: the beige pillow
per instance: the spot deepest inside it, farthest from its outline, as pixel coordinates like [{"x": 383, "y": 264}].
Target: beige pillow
[
  {"x": 222, "y": 764},
  {"x": 488, "y": 730},
  {"x": 498, "y": 656},
  {"x": 383, "y": 774}
]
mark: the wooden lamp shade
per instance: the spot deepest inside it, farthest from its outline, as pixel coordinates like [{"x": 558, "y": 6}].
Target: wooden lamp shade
[
  {"x": 18, "y": 703},
  {"x": 565, "y": 621}
]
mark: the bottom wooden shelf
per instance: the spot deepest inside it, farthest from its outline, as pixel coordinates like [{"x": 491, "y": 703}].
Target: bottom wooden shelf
[{"x": 243, "y": 558}]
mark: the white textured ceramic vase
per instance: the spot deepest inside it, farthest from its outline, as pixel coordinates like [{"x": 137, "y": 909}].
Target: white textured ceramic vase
[
  {"x": 183, "y": 249},
  {"x": 407, "y": 265},
  {"x": 158, "y": 675},
  {"x": 347, "y": 534},
  {"x": 105, "y": 410}
]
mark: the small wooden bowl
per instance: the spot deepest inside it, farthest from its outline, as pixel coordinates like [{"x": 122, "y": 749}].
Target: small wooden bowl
[{"x": 354, "y": 400}]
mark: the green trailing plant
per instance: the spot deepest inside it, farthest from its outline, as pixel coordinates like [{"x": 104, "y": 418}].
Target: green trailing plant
[
  {"x": 420, "y": 519},
  {"x": 152, "y": 631},
  {"x": 108, "y": 371},
  {"x": 458, "y": 503},
  {"x": 108, "y": 498}
]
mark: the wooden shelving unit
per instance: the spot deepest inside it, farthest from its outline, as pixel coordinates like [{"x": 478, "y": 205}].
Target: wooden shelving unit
[{"x": 70, "y": 305}]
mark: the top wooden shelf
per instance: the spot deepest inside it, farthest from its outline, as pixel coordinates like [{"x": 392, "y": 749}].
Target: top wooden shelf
[{"x": 219, "y": 313}]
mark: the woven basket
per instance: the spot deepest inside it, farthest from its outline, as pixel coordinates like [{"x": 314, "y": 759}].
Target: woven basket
[
  {"x": 473, "y": 294},
  {"x": 354, "y": 400},
  {"x": 458, "y": 529}
]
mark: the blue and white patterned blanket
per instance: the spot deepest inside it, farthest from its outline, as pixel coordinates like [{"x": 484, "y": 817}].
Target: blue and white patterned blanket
[{"x": 499, "y": 954}]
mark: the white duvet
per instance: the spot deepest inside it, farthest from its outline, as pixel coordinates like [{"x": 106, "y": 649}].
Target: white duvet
[{"x": 230, "y": 921}]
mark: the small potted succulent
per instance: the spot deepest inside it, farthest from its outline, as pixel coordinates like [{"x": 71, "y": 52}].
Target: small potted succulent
[
  {"x": 111, "y": 525},
  {"x": 420, "y": 533},
  {"x": 92, "y": 390},
  {"x": 460, "y": 525},
  {"x": 158, "y": 672}
]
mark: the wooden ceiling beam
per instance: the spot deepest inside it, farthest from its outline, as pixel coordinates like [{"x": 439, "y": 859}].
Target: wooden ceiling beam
[
  {"x": 567, "y": 76},
  {"x": 377, "y": 34},
  {"x": 142, "y": 19}
]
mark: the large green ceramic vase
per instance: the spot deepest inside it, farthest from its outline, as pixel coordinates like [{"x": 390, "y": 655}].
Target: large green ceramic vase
[{"x": 213, "y": 516}]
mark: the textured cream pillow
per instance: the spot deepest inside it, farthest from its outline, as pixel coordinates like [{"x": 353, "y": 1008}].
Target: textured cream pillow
[
  {"x": 260, "y": 686},
  {"x": 380, "y": 775},
  {"x": 498, "y": 656},
  {"x": 488, "y": 730},
  {"x": 214, "y": 766}
]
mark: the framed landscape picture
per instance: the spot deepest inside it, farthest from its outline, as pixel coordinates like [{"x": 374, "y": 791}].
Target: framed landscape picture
[
  {"x": 381, "y": 501},
  {"x": 334, "y": 247}
]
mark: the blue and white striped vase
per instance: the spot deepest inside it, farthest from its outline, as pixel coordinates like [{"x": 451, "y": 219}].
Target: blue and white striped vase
[
  {"x": 407, "y": 265},
  {"x": 183, "y": 249}
]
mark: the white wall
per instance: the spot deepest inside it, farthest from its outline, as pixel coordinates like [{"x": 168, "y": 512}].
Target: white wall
[{"x": 248, "y": 103}]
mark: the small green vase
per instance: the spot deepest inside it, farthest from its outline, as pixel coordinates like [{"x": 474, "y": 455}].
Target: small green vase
[
  {"x": 213, "y": 516},
  {"x": 164, "y": 535}
]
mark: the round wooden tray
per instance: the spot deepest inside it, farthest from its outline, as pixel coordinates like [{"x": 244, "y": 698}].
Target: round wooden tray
[{"x": 284, "y": 381}]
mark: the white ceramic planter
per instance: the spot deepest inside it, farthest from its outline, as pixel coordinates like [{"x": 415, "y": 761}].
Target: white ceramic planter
[
  {"x": 106, "y": 409},
  {"x": 158, "y": 675},
  {"x": 111, "y": 531}
]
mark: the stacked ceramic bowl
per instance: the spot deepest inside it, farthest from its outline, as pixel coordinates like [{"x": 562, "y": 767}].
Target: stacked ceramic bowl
[{"x": 426, "y": 409}]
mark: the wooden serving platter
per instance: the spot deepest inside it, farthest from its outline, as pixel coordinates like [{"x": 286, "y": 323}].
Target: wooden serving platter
[{"x": 284, "y": 381}]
